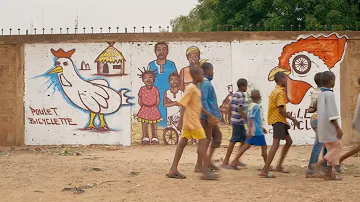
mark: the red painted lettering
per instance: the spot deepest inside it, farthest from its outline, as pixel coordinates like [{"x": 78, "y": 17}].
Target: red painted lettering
[
  {"x": 55, "y": 111},
  {"x": 70, "y": 122}
]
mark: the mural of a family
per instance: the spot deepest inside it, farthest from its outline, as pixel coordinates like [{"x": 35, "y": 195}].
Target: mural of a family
[
  {"x": 163, "y": 87},
  {"x": 300, "y": 60}
]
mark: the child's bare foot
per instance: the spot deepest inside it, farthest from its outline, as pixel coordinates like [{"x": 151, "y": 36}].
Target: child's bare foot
[
  {"x": 266, "y": 175},
  {"x": 338, "y": 168},
  {"x": 280, "y": 169}
]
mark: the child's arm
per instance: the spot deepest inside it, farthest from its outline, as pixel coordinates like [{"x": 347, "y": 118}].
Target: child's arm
[
  {"x": 167, "y": 101},
  {"x": 251, "y": 128},
  {"x": 338, "y": 129},
  {"x": 281, "y": 103},
  {"x": 356, "y": 118},
  {"x": 242, "y": 113},
  {"x": 283, "y": 112},
  {"x": 180, "y": 123},
  {"x": 211, "y": 119},
  {"x": 204, "y": 97},
  {"x": 140, "y": 102}
]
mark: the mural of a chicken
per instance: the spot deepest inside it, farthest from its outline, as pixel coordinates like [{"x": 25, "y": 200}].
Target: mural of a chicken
[
  {"x": 302, "y": 59},
  {"x": 92, "y": 95}
]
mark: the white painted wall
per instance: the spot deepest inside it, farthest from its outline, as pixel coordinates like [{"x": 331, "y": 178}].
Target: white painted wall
[
  {"x": 38, "y": 60},
  {"x": 252, "y": 60}
]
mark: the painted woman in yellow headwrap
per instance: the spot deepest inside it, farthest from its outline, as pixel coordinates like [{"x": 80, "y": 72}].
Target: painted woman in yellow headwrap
[{"x": 193, "y": 56}]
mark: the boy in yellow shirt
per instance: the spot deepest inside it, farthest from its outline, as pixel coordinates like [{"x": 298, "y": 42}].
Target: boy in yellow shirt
[
  {"x": 277, "y": 116},
  {"x": 191, "y": 126}
]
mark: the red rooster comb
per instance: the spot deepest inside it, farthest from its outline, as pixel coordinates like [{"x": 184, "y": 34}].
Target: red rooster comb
[{"x": 62, "y": 54}]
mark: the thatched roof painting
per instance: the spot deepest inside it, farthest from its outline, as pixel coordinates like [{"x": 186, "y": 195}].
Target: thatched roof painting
[{"x": 110, "y": 55}]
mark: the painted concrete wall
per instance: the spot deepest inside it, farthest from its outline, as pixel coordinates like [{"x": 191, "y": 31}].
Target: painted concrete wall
[
  {"x": 65, "y": 105},
  {"x": 67, "y": 99}
]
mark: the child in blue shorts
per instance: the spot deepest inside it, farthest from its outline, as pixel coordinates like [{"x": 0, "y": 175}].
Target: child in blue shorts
[{"x": 255, "y": 135}]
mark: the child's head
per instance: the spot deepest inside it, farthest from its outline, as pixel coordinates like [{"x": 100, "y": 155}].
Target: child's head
[
  {"x": 242, "y": 85},
  {"x": 328, "y": 79},
  {"x": 317, "y": 79},
  {"x": 147, "y": 76},
  {"x": 208, "y": 69},
  {"x": 255, "y": 96},
  {"x": 174, "y": 79},
  {"x": 280, "y": 79},
  {"x": 197, "y": 74}
]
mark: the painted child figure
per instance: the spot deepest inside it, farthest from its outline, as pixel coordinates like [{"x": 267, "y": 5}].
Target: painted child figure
[
  {"x": 256, "y": 131},
  {"x": 329, "y": 131},
  {"x": 238, "y": 120},
  {"x": 191, "y": 126},
  {"x": 149, "y": 100},
  {"x": 172, "y": 97}
]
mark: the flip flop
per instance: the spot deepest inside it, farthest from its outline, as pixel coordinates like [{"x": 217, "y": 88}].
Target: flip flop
[
  {"x": 209, "y": 176},
  {"x": 242, "y": 164},
  {"x": 333, "y": 178},
  {"x": 268, "y": 175},
  {"x": 230, "y": 167},
  {"x": 177, "y": 175}
]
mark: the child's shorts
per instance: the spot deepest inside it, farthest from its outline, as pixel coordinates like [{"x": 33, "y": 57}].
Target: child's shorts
[
  {"x": 197, "y": 134},
  {"x": 256, "y": 140},
  {"x": 238, "y": 133},
  {"x": 333, "y": 152}
]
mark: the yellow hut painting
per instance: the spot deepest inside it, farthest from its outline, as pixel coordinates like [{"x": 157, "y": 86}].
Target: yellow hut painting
[{"x": 111, "y": 62}]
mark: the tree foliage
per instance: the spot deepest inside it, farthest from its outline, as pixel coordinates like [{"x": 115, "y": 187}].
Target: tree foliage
[{"x": 212, "y": 15}]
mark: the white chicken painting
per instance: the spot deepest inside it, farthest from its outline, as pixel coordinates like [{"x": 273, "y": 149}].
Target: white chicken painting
[
  {"x": 92, "y": 95},
  {"x": 302, "y": 59}
]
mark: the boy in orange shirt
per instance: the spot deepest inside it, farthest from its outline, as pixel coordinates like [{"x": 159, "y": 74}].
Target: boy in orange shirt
[{"x": 191, "y": 126}]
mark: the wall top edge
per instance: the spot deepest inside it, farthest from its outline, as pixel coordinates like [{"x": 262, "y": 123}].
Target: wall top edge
[{"x": 167, "y": 37}]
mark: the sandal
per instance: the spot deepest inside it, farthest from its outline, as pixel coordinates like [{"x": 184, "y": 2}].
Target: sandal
[
  {"x": 230, "y": 167},
  {"x": 209, "y": 176},
  {"x": 155, "y": 140},
  {"x": 333, "y": 178},
  {"x": 267, "y": 175},
  {"x": 145, "y": 141},
  {"x": 177, "y": 175}
]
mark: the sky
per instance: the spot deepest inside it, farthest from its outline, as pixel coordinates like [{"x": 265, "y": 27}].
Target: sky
[{"x": 58, "y": 14}]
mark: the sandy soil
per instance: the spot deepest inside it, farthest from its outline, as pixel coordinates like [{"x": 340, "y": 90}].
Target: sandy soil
[
  {"x": 136, "y": 135},
  {"x": 138, "y": 174}
]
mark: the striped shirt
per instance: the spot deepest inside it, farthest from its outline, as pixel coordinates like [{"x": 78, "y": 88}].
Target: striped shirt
[{"x": 237, "y": 99}]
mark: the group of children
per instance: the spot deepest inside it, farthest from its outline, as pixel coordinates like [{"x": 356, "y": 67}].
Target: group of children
[{"x": 200, "y": 116}]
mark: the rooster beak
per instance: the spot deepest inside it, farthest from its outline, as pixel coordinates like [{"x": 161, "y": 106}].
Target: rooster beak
[
  {"x": 57, "y": 69},
  {"x": 276, "y": 70}
]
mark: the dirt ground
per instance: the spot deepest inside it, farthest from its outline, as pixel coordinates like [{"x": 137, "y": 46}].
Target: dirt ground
[{"x": 138, "y": 174}]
